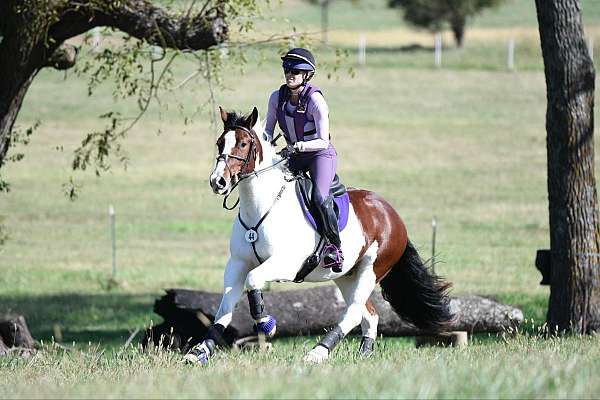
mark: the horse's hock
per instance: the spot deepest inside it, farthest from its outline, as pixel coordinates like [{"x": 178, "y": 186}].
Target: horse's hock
[{"x": 188, "y": 313}]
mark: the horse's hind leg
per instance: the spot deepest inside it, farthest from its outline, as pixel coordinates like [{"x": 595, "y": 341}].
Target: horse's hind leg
[
  {"x": 369, "y": 322},
  {"x": 356, "y": 290},
  {"x": 368, "y": 325}
]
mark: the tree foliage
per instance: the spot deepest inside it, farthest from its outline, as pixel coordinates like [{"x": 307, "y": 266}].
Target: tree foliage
[
  {"x": 435, "y": 15},
  {"x": 146, "y": 37},
  {"x": 143, "y": 40}
]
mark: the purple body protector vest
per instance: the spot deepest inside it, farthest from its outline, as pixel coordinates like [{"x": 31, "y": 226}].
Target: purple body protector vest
[{"x": 299, "y": 114}]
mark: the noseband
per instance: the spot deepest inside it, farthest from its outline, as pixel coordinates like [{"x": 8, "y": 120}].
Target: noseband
[{"x": 251, "y": 153}]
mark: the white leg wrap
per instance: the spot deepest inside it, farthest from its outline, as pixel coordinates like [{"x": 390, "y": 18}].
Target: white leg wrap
[{"x": 317, "y": 355}]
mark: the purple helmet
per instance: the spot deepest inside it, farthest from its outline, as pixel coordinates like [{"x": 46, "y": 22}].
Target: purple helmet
[{"x": 299, "y": 58}]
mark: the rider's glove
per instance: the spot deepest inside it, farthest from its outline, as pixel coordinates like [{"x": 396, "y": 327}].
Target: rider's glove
[
  {"x": 299, "y": 147},
  {"x": 287, "y": 151}
]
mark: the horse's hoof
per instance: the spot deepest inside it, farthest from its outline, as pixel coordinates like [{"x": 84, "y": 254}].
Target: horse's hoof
[
  {"x": 317, "y": 355},
  {"x": 367, "y": 347},
  {"x": 199, "y": 354},
  {"x": 268, "y": 326}
]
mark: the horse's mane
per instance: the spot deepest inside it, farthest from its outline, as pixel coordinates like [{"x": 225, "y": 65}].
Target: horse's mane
[{"x": 235, "y": 118}]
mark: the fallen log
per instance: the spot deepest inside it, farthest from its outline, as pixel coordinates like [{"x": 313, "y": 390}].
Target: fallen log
[
  {"x": 188, "y": 313},
  {"x": 15, "y": 337},
  {"x": 15, "y": 333}
]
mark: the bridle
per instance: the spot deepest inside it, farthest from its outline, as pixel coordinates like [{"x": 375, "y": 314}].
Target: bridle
[
  {"x": 241, "y": 175},
  {"x": 251, "y": 153}
]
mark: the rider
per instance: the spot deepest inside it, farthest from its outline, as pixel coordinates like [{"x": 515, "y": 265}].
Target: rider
[{"x": 302, "y": 114}]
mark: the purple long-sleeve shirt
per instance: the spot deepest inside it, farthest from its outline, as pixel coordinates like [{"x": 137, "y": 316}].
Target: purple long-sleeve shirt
[{"x": 317, "y": 118}]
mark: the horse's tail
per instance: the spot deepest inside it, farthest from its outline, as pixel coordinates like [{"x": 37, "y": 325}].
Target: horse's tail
[{"x": 417, "y": 294}]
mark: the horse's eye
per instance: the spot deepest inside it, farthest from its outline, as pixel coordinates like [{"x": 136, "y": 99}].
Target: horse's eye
[{"x": 242, "y": 145}]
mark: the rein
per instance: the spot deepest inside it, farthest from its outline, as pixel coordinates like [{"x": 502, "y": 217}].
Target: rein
[
  {"x": 242, "y": 176},
  {"x": 246, "y": 176}
]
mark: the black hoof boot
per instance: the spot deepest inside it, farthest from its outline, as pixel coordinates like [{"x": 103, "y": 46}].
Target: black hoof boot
[{"x": 367, "y": 347}]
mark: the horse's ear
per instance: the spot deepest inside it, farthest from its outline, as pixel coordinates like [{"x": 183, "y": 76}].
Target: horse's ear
[
  {"x": 251, "y": 120},
  {"x": 224, "y": 115}
]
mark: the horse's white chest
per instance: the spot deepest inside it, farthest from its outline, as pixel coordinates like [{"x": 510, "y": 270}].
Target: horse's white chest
[{"x": 283, "y": 230}]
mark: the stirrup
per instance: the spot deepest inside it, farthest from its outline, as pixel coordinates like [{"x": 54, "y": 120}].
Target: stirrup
[{"x": 333, "y": 258}]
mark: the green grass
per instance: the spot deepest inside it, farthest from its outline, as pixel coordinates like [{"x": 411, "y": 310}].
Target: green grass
[
  {"x": 464, "y": 143},
  {"x": 557, "y": 368}
]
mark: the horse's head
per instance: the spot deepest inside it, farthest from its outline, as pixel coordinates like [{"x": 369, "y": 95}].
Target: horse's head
[{"x": 239, "y": 150}]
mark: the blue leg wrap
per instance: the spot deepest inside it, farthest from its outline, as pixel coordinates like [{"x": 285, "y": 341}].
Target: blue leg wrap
[{"x": 267, "y": 327}]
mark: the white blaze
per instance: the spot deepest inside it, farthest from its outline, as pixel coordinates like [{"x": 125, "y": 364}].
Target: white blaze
[{"x": 221, "y": 164}]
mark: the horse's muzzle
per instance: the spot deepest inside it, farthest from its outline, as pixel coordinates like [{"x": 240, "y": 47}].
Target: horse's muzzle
[{"x": 219, "y": 185}]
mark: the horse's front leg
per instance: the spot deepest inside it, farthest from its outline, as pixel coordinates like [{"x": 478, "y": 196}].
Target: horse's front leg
[
  {"x": 278, "y": 267},
  {"x": 234, "y": 277}
]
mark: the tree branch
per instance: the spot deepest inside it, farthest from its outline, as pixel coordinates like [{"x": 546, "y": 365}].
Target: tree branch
[
  {"x": 143, "y": 20},
  {"x": 63, "y": 58}
]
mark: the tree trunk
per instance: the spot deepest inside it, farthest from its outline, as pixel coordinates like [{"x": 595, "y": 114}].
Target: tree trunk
[
  {"x": 574, "y": 304},
  {"x": 20, "y": 60},
  {"x": 188, "y": 313},
  {"x": 458, "y": 28},
  {"x": 13, "y": 87},
  {"x": 324, "y": 20},
  {"x": 31, "y": 31}
]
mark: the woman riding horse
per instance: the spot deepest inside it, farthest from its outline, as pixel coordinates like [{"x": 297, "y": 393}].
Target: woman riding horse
[
  {"x": 375, "y": 243},
  {"x": 302, "y": 114}
]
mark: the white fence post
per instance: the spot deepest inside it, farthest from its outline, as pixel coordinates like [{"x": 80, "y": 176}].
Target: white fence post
[
  {"x": 438, "y": 49},
  {"x": 510, "y": 62},
  {"x": 111, "y": 214},
  {"x": 362, "y": 49},
  {"x": 434, "y": 230}
]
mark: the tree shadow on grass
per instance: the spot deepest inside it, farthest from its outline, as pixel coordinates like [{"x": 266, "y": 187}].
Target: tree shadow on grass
[
  {"x": 409, "y": 48},
  {"x": 105, "y": 319}
]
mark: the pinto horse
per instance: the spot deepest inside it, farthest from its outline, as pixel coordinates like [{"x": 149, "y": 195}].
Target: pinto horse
[{"x": 375, "y": 246}]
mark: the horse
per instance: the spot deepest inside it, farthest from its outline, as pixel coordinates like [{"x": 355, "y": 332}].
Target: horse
[{"x": 374, "y": 242}]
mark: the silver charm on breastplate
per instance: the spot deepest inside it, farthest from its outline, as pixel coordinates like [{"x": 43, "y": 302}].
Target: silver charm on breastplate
[{"x": 251, "y": 236}]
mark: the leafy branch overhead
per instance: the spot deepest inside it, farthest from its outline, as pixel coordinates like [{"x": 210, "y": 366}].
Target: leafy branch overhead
[{"x": 33, "y": 35}]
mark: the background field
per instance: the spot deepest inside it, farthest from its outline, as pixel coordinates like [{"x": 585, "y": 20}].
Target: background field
[{"x": 464, "y": 143}]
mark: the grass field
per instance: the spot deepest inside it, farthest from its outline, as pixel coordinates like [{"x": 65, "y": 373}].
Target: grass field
[{"x": 464, "y": 143}]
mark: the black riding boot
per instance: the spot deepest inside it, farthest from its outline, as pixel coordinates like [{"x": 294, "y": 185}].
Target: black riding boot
[{"x": 327, "y": 223}]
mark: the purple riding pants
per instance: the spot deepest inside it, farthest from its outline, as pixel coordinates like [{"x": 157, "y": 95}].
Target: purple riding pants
[{"x": 321, "y": 165}]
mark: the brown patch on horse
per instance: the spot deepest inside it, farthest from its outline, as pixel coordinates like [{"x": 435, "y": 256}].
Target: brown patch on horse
[
  {"x": 371, "y": 307},
  {"x": 381, "y": 223}
]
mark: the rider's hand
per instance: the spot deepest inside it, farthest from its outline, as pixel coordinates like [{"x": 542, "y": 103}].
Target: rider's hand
[{"x": 287, "y": 151}]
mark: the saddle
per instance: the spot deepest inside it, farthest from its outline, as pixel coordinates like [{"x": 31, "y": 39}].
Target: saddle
[
  {"x": 341, "y": 200},
  {"x": 304, "y": 187}
]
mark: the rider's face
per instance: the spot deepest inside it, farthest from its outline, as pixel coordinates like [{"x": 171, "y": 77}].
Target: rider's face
[{"x": 294, "y": 78}]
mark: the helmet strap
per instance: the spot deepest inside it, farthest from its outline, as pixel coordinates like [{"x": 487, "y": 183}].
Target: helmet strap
[{"x": 307, "y": 76}]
